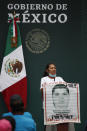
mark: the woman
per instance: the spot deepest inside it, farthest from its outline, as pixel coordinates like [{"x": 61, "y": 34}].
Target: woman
[
  {"x": 24, "y": 120},
  {"x": 48, "y": 77},
  {"x": 5, "y": 125},
  {"x": 11, "y": 120}
]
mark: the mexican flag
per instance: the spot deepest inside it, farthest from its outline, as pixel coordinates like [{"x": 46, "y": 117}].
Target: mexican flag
[{"x": 13, "y": 73}]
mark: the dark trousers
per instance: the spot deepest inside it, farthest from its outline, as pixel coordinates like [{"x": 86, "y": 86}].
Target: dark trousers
[{"x": 60, "y": 127}]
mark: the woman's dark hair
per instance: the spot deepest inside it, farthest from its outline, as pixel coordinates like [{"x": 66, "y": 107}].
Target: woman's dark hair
[
  {"x": 47, "y": 66},
  {"x": 16, "y": 104},
  {"x": 11, "y": 120}
]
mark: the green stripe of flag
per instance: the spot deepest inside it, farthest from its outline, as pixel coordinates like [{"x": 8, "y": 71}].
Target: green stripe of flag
[{"x": 9, "y": 49}]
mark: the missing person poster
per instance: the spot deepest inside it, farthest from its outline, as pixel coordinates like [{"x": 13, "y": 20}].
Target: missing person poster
[{"x": 61, "y": 103}]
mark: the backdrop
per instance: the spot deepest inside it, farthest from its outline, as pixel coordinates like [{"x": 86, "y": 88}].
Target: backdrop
[{"x": 63, "y": 42}]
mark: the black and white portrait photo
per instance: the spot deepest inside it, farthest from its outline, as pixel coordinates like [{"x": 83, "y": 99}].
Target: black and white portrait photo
[
  {"x": 61, "y": 103},
  {"x": 60, "y": 97}
]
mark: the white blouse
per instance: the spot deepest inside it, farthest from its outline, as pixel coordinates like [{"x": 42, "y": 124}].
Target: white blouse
[{"x": 48, "y": 80}]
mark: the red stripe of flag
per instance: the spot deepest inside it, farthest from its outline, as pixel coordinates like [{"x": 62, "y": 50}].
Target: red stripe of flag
[{"x": 19, "y": 88}]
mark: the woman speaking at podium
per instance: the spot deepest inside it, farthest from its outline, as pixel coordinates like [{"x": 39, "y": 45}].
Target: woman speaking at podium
[{"x": 49, "y": 76}]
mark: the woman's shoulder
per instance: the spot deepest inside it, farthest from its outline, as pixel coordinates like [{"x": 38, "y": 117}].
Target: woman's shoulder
[
  {"x": 7, "y": 114},
  {"x": 44, "y": 78},
  {"x": 60, "y": 78},
  {"x": 47, "y": 78},
  {"x": 27, "y": 114}
]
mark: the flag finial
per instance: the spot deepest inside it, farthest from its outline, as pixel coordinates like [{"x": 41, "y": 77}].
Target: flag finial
[{"x": 14, "y": 13}]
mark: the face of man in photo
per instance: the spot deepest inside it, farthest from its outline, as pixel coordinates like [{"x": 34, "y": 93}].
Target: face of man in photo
[{"x": 60, "y": 98}]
